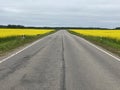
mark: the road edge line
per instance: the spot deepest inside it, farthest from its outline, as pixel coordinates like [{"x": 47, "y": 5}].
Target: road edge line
[
  {"x": 20, "y": 51},
  {"x": 113, "y": 56}
]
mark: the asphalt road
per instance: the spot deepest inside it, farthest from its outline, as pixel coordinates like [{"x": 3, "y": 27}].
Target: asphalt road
[{"x": 60, "y": 61}]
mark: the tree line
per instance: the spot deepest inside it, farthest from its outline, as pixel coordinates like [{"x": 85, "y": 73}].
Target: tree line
[{"x": 57, "y": 28}]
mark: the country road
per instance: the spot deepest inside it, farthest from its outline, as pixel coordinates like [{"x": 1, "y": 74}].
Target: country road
[{"x": 60, "y": 61}]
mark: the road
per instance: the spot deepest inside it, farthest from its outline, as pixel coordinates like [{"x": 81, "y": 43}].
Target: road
[{"x": 60, "y": 61}]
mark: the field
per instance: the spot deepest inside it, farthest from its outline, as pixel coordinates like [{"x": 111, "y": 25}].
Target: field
[
  {"x": 13, "y": 38},
  {"x": 21, "y": 32},
  {"x": 109, "y": 39},
  {"x": 114, "y": 34}
]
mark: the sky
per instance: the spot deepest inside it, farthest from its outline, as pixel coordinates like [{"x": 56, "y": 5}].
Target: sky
[{"x": 61, "y": 13}]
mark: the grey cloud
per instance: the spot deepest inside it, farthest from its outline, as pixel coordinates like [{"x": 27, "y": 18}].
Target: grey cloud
[{"x": 98, "y": 13}]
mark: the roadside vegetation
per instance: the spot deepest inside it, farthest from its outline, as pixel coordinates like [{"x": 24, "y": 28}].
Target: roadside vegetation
[
  {"x": 13, "y": 38},
  {"x": 108, "y": 39}
]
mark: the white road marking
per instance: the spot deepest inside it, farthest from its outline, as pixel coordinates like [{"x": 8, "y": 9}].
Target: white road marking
[
  {"x": 20, "y": 51},
  {"x": 102, "y": 50}
]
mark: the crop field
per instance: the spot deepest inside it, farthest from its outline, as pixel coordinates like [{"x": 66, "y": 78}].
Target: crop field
[
  {"x": 13, "y": 38},
  {"x": 21, "y": 32},
  {"x": 113, "y": 34},
  {"x": 109, "y": 39}
]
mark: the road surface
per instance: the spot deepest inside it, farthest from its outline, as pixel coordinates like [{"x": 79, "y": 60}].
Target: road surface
[{"x": 60, "y": 61}]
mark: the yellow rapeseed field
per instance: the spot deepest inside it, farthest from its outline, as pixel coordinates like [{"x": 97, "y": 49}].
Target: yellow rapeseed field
[
  {"x": 113, "y": 34},
  {"x": 20, "y": 32}
]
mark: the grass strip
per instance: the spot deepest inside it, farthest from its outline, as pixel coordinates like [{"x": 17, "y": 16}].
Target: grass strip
[
  {"x": 9, "y": 43},
  {"x": 110, "y": 44}
]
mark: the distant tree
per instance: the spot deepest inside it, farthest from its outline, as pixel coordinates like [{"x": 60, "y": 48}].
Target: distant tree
[
  {"x": 15, "y": 26},
  {"x": 117, "y": 28}
]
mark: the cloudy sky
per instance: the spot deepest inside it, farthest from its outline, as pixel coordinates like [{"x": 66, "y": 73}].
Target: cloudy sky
[{"x": 79, "y": 13}]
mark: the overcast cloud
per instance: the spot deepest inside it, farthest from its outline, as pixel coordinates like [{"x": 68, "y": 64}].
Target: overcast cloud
[{"x": 84, "y": 13}]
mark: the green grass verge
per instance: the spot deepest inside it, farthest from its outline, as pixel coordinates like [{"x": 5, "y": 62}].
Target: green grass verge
[
  {"x": 112, "y": 45},
  {"x": 9, "y": 43}
]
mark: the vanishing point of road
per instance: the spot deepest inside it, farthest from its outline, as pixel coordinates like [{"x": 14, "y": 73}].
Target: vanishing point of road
[{"x": 60, "y": 61}]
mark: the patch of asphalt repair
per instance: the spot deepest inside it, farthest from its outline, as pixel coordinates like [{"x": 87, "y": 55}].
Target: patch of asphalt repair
[{"x": 63, "y": 85}]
